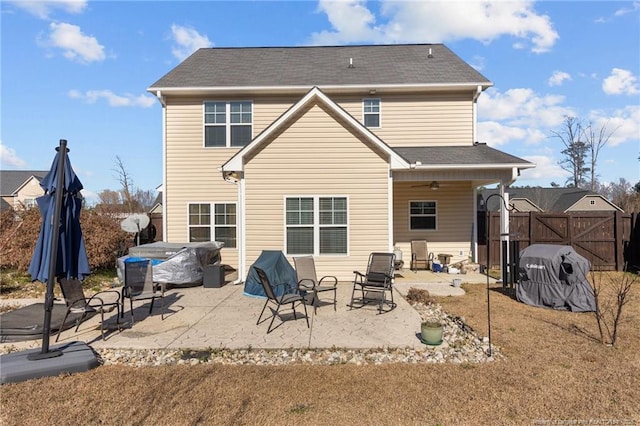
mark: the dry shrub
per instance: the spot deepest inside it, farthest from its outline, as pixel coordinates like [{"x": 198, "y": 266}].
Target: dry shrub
[
  {"x": 104, "y": 239},
  {"x": 19, "y": 234},
  {"x": 416, "y": 295},
  {"x": 612, "y": 291}
]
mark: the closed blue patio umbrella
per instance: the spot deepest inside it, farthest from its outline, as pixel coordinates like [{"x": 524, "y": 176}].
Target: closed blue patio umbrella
[{"x": 60, "y": 250}]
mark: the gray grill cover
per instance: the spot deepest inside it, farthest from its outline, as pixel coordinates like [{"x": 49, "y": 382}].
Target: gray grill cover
[{"x": 555, "y": 277}]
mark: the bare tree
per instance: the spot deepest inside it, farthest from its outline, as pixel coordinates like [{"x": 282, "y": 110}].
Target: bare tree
[
  {"x": 109, "y": 201},
  {"x": 145, "y": 198},
  {"x": 596, "y": 140},
  {"x": 126, "y": 184},
  {"x": 575, "y": 151},
  {"x": 623, "y": 195}
]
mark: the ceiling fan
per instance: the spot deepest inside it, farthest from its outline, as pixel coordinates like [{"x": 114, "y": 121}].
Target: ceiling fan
[{"x": 434, "y": 185}]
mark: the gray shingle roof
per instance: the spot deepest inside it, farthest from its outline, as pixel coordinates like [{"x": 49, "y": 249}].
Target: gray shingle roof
[
  {"x": 548, "y": 199},
  {"x": 11, "y": 180},
  {"x": 402, "y": 64},
  {"x": 460, "y": 155}
]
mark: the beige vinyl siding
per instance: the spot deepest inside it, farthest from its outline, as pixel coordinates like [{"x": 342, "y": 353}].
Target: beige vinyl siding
[
  {"x": 31, "y": 190},
  {"x": 192, "y": 171},
  {"x": 455, "y": 217},
  {"x": 420, "y": 120},
  {"x": 317, "y": 156},
  {"x": 584, "y": 205}
]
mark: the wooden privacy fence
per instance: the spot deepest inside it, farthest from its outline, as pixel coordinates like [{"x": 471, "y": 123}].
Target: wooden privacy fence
[{"x": 609, "y": 240}]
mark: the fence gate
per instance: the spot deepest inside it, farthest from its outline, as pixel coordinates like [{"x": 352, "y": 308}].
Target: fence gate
[{"x": 601, "y": 237}]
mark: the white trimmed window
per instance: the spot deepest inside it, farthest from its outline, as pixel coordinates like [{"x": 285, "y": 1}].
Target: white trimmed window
[
  {"x": 227, "y": 124},
  {"x": 423, "y": 215},
  {"x": 222, "y": 227},
  {"x": 30, "y": 203},
  {"x": 371, "y": 112},
  {"x": 316, "y": 225}
]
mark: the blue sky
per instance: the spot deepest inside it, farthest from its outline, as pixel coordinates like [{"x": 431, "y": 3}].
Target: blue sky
[{"x": 79, "y": 70}]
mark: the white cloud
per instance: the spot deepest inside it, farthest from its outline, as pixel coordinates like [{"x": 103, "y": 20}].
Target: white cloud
[
  {"x": 623, "y": 11},
  {"x": 620, "y": 82},
  {"x": 186, "y": 41},
  {"x": 495, "y": 134},
  {"x": 436, "y": 21},
  {"x": 519, "y": 115},
  {"x": 9, "y": 158},
  {"x": 547, "y": 168},
  {"x": 558, "y": 77},
  {"x": 126, "y": 100},
  {"x": 75, "y": 45},
  {"x": 523, "y": 106},
  {"x": 43, "y": 9},
  {"x": 624, "y": 123}
]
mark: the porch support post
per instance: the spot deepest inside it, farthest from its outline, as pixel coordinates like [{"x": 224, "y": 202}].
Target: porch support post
[
  {"x": 390, "y": 209},
  {"x": 504, "y": 232}
]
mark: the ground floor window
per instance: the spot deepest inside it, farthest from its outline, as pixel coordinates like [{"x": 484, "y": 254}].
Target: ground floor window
[
  {"x": 316, "y": 225},
  {"x": 422, "y": 215},
  {"x": 221, "y": 227}
]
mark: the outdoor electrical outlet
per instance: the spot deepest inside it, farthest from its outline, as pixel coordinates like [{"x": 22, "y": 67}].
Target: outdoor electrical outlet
[{"x": 461, "y": 252}]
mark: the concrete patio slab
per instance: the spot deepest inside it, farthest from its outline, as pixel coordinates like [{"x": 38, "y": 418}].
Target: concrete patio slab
[{"x": 204, "y": 318}]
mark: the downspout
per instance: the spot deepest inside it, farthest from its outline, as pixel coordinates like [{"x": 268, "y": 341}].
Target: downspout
[
  {"x": 390, "y": 208},
  {"x": 163, "y": 102},
  {"x": 239, "y": 182},
  {"x": 474, "y": 232},
  {"x": 476, "y": 95}
]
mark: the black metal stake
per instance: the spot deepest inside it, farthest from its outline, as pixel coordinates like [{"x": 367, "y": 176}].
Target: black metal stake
[
  {"x": 53, "y": 260},
  {"x": 488, "y": 241}
]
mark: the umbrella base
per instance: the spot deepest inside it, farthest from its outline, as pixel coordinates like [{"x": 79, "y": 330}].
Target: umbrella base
[{"x": 75, "y": 357}]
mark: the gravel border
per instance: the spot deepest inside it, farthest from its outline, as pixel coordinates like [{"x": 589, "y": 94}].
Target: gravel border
[{"x": 460, "y": 345}]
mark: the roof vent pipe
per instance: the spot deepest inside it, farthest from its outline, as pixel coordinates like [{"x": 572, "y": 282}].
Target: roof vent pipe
[
  {"x": 430, "y": 55},
  {"x": 351, "y": 63}
]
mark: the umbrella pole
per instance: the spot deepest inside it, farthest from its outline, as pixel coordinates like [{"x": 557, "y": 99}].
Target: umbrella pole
[{"x": 55, "y": 237}]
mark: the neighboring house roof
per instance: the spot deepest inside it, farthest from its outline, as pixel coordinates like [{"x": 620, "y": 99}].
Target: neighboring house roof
[
  {"x": 157, "y": 204},
  {"x": 12, "y": 180},
  {"x": 475, "y": 156},
  {"x": 547, "y": 199},
  {"x": 236, "y": 163},
  {"x": 372, "y": 66}
]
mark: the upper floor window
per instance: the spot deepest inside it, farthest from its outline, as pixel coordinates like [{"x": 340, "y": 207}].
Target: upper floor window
[
  {"x": 371, "y": 112},
  {"x": 316, "y": 225},
  {"x": 422, "y": 215},
  {"x": 227, "y": 124},
  {"x": 222, "y": 227}
]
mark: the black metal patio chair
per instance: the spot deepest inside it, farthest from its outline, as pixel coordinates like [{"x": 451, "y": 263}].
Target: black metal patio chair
[
  {"x": 308, "y": 280},
  {"x": 139, "y": 285},
  {"x": 77, "y": 303},
  {"x": 376, "y": 282},
  {"x": 284, "y": 299}
]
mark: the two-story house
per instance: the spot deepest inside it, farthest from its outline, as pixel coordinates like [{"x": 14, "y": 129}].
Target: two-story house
[
  {"x": 20, "y": 188},
  {"x": 335, "y": 152}
]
